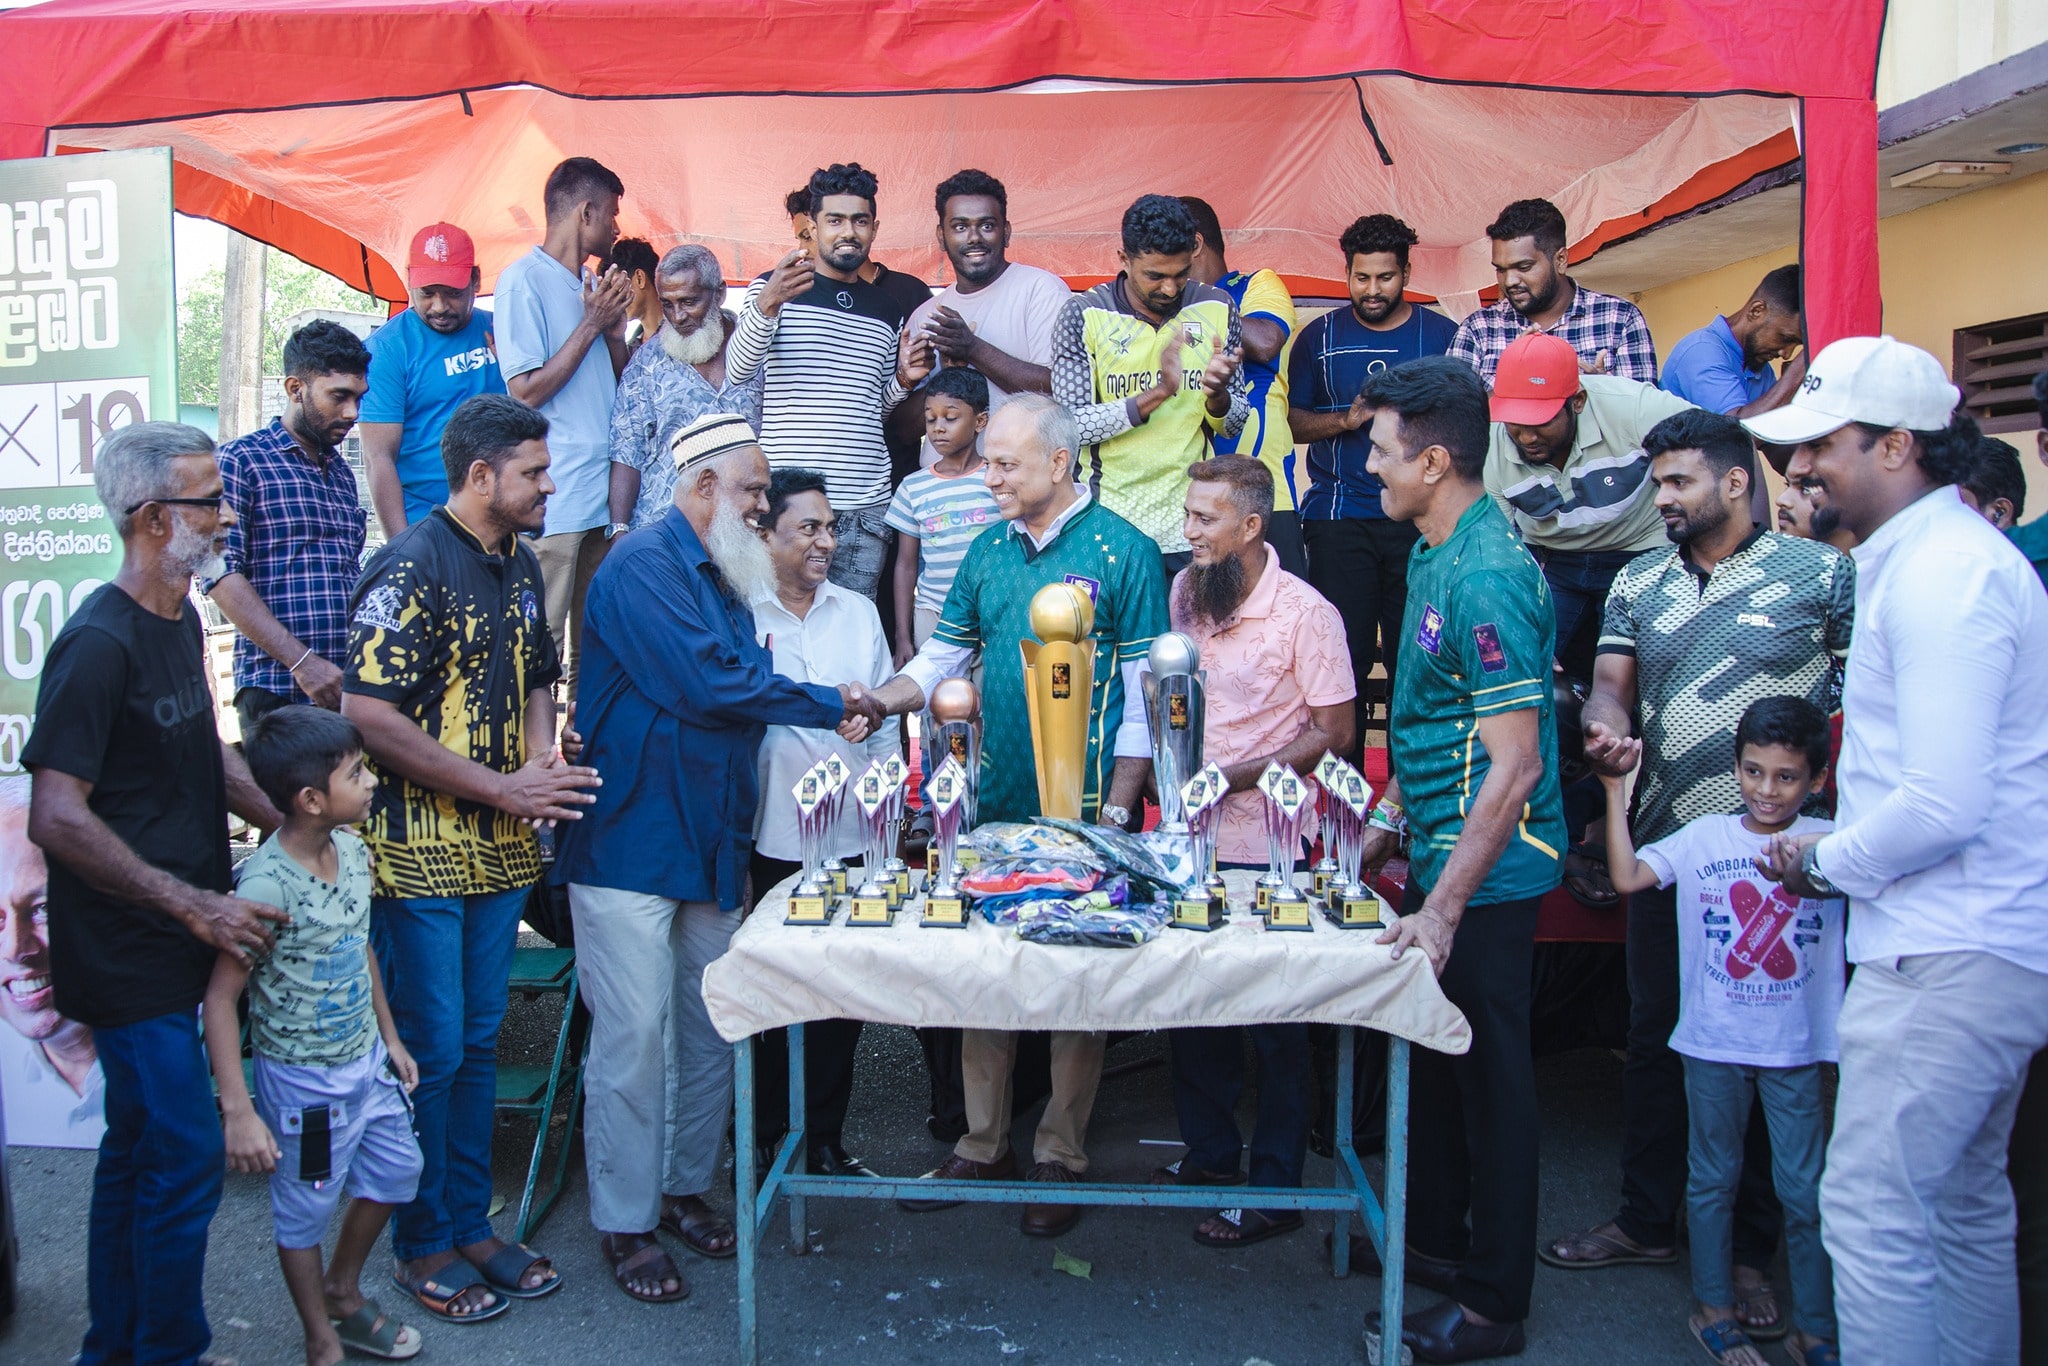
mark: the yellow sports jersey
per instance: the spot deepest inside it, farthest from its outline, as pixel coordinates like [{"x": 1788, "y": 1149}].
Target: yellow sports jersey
[
  {"x": 1104, "y": 356},
  {"x": 1266, "y": 436}
]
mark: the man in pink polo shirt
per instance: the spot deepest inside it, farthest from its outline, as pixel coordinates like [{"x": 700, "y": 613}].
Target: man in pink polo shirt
[{"x": 1279, "y": 688}]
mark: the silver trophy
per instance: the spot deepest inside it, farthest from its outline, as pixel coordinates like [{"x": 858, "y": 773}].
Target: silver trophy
[
  {"x": 894, "y": 870},
  {"x": 811, "y": 902},
  {"x": 1200, "y": 905},
  {"x": 1351, "y": 904},
  {"x": 874, "y": 902},
  {"x": 1174, "y": 707},
  {"x": 955, "y": 712},
  {"x": 1288, "y": 810},
  {"x": 944, "y": 906},
  {"x": 1329, "y": 777},
  {"x": 838, "y": 778}
]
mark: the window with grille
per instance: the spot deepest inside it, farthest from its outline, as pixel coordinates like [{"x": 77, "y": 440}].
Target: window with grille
[{"x": 1995, "y": 365}]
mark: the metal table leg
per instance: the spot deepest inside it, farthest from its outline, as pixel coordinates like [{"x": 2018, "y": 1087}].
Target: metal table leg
[
  {"x": 798, "y": 1146},
  {"x": 745, "y": 1225},
  {"x": 1394, "y": 1248}
]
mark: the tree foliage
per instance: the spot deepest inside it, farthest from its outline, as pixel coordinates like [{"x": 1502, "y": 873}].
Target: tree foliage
[{"x": 290, "y": 287}]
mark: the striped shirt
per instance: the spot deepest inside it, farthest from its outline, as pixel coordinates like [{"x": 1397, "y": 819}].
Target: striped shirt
[
  {"x": 943, "y": 515},
  {"x": 829, "y": 358},
  {"x": 1595, "y": 322}
]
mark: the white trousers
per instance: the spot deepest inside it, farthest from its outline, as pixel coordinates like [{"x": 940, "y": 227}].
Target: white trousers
[
  {"x": 657, "y": 1091},
  {"x": 1915, "y": 1207}
]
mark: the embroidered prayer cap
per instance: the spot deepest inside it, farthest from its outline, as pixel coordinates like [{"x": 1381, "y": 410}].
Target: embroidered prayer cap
[{"x": 709, "y": 437}]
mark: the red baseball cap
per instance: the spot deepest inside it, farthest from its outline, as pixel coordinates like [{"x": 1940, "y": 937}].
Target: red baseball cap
[
  {"x": 1535, "y": 376},
  {"x": 442, "y": 254}
]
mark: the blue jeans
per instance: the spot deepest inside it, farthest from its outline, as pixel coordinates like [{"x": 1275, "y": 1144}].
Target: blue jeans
[
  {"x": 1208, "y": 1077},
  {"x": 445, "y": 962},
  {"x": 154, "y": 1192},
  {"x": 1579, "y": 582},
  {"x": 1718, "y": 1099}
]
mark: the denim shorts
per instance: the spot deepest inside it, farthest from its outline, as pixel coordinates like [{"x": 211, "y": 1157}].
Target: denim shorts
[{"x": 370, "y": 1140}]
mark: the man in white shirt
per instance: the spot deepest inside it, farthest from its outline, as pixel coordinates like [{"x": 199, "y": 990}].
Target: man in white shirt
[
  {"x": 1943, "y": 778},
  {"x": 561, "y": 347},
  {"x": 997, "y": 315},
  {"x": 816, "y": 632}
]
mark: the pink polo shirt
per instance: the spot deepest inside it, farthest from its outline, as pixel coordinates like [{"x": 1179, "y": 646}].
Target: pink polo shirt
[{"x": 1284, "y": 652}]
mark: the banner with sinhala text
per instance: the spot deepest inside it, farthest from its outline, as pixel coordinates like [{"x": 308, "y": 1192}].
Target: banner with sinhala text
[{"x": 88, "y": 344}]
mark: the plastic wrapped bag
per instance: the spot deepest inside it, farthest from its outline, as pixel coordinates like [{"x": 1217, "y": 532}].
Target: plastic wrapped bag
[{"x": 1097, "y": 920}]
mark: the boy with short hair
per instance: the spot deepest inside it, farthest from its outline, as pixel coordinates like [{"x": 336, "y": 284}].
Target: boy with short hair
[
  {"x": 331, "y": 1075},
  {"x": 941, "y": 509},
  {"x": 1761, "y": 977}
]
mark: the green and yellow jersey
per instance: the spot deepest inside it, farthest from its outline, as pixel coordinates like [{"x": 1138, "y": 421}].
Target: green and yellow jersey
[{"x": 1266, "y": 437}]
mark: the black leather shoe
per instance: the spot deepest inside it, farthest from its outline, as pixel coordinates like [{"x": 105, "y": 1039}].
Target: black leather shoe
[
  {"x": 829, "y": 1159},
  {"x": 1431, "y": 1273},
  {"x": 1442, "y": 1333}
]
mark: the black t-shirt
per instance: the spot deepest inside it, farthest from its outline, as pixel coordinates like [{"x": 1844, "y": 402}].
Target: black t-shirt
[
  {"x": 124, "y": 705},
  {"x": 906, "y": 294}
]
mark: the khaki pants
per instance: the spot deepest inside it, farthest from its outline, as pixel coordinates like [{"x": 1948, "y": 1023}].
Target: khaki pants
[
  {"x": 566, "y": 563},
  {"x": 986, "y": 1059}
]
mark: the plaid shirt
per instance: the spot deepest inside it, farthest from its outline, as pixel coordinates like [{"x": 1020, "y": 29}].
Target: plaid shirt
[
  {"x": 298, "y": 539},
  {"x": 1594, "y": 323}
]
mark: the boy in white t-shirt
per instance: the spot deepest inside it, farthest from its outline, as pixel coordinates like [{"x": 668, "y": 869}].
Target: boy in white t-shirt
[
  {"x": 941, "y": 509},
  {"x": 1760, "y": 985}
]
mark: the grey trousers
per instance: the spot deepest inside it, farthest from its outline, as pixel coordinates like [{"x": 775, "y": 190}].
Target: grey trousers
[
  {"x": 1915, "y": 1206},
  {"x": 658, "y": 1086}
]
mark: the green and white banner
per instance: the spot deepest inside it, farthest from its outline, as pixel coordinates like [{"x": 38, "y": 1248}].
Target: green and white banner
[{"x": 88, "y": 343}]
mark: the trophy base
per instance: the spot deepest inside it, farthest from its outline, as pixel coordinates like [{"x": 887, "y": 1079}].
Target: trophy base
[
  {"x": 899, "y": 872},
  {"x": 1262, "y": 900},
  {"x": 1325, "y": 877},
  {"x": 1203, "y": 913},
  {"x": 1353, "y": 912},
  {"x": 1288, "y": 911},
  {"x": 944, "y": 912},
  {"x": 809, "y": 909},
  {"x": 872, "y": 912},
  {"x": 838, "y": 877}
]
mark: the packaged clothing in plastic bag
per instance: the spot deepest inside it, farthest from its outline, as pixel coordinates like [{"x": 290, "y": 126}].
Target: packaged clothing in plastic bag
[
  {"x": 1154, "y": 860},
  {"x": 1096, "y": 920}
]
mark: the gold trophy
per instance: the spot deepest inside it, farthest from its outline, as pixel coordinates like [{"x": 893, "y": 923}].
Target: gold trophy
[{"x": 1059, "y": 683}]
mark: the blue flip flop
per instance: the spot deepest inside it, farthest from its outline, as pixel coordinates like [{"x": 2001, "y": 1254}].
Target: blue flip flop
[
  {"x": 504, "y": 1269},
  {"x": 435, "y": 1292}
]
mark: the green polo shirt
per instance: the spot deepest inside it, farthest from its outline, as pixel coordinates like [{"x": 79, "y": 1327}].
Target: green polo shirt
[
  {"x": 990, "y": 606},
  {"x": 2032, "y": 539},
  {"x": 1476, "y": 641}
]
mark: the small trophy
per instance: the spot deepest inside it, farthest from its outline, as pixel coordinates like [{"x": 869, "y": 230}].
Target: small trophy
[
  {"x": 955, "y": 712},
  {"x": 944, "y": 906},
  {"x": 1212, "y": 820},
  {"x": 873, "y": 902},
  {"x": 837, "y": 775},
  {"x": 1351, "y": 904},
  {"x": 1199, "y": 906},
  {"x": 1174, "y": 709},
  {"x": 1287, "y": 807},
  {"x": 1328, "y": 775},
  {"x": 811, "y": 902},
  {"x": 1059, "y": 688},
  {"x": 894, "y": 870}
]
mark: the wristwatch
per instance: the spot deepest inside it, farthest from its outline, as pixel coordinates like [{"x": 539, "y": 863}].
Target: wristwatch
[
  {"x": 613, "y": 530},
  {"x": 1114, "y": 815},
  {"x": 1810, "y": 870}
]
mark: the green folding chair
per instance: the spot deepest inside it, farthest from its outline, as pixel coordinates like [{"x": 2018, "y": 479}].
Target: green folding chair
[{"x": 536, "y": 1089}]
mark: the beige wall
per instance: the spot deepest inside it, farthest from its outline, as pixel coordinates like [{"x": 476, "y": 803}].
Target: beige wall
[
  {"x": 1967, "y": 260},
  {"x": 1928, "y": 43}
]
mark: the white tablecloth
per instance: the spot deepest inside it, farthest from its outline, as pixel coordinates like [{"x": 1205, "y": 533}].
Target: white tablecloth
[{"x": 985, "y": 977}]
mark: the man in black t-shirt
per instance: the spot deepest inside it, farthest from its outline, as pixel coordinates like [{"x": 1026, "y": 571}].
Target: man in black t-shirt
[{"x": 132, "y": 788}]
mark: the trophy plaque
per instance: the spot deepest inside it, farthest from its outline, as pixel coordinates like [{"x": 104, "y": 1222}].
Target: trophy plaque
[
  {"x": 1174, "y": 711},
  {"x": 811, "y": 902},
  {"x": 1198, "y": 907},
  {"x": 873, "y": 901},
  {"x": 945, "y": 907},
  {"x": 1059, "y": 686}
]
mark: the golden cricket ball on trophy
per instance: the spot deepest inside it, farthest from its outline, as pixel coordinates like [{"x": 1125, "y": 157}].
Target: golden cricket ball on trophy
[
  {"x": 1062, "y": 611},
  {"x": 955, "y": 700}
]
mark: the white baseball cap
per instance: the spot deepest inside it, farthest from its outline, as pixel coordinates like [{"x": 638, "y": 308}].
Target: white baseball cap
[{"x": 1879, "y": 380}]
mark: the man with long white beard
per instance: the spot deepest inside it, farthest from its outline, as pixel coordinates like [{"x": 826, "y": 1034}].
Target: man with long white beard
[
  {"x": 672, "y": 383},
  {"x": 676, "y": 696}
]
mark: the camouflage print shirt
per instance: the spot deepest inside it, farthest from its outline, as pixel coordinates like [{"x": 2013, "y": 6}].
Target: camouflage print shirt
[
  {"x": 309, "y": 998},
  {"x": 1771, "y": 620}
]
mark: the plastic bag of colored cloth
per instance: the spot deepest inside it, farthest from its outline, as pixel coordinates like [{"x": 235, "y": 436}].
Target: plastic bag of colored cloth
[
  {"x": 1008, "y": 877},
  {"x": 1094, "y": 921},
  {"x": 1003, "y": 908},
  {"x": 1000, "y": 840},
  {"x": 1155, "y": 861}
]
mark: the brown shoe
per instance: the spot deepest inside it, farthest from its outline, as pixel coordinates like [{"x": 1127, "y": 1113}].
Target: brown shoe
[
  {"x": 958, "y": 1168},
  {"x": 1050, "y": 1221}
]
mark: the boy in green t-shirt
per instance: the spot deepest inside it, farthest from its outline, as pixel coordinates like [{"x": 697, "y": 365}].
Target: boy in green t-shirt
[{"x": 331, "y": 1077}]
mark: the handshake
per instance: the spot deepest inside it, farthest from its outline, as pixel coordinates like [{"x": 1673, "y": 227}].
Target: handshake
[{"x": 864, "y": 713}]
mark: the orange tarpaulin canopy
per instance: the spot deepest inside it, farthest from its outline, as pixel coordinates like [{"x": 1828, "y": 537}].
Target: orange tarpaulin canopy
[{"x": 335, "y": 128}]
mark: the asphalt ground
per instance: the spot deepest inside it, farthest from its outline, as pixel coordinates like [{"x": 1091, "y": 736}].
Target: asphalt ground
[{"x": 887, "y": 1287}]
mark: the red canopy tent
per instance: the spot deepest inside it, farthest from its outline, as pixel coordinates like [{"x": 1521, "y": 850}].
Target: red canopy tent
[{"x": 334, "y": 128}]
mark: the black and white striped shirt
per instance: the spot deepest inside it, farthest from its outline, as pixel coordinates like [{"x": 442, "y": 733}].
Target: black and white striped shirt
[{"x": 829, "y": 357}]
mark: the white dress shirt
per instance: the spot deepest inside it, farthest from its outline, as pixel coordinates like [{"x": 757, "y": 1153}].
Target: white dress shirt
[
  {"x": 1944, "y": 768},
  {"x": 838, "y": 641},
  {"x": 42, "y": 1109},
  {"x": 939, "y": 661}
]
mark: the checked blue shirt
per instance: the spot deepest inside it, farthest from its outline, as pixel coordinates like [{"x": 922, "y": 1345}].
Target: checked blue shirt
[
  {"x": 298, "y": 539},
  {"x": 1594, "y": 323}
]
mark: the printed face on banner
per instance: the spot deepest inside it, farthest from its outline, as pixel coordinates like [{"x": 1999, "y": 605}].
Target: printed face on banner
[{"x": 50, "y": 1077}]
